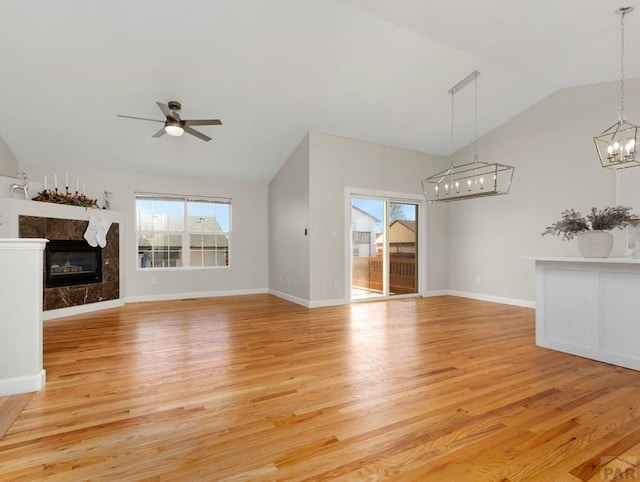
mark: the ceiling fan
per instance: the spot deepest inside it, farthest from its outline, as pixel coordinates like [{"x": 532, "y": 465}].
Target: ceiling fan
[{"x": 174, "y": 125}]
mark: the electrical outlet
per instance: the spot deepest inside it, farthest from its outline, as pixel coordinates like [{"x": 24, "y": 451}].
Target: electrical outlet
[
  {"x": 154, "y": 280},
  {"x": 478, "y": 278}
]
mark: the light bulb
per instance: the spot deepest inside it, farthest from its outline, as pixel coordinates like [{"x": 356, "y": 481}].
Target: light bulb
[
  {"x": 630, "y": 145},
  {"x": 616, "y": 146},
  {"x": 174, "y": 129},
  {"x": 610, "y": 149},
  {"x": 469, "y": 185}
]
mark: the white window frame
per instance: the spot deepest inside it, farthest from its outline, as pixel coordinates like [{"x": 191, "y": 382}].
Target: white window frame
[{"x": 185, "y": 234}]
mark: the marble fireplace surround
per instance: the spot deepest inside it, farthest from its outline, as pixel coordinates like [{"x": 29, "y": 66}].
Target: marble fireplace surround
[
  {"x": 73, "y": 229},
  {"x": 33, "y": 219}
]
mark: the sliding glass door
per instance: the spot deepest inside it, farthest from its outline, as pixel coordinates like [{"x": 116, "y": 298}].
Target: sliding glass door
[
  {"x": 384, "y": 247},
  {"x": 403, "y": 248}
]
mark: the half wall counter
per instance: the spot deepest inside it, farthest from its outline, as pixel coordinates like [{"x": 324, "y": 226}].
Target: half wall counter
[
  {"x": 21, "y": 365},
  {"x": 590, "y": 307}
]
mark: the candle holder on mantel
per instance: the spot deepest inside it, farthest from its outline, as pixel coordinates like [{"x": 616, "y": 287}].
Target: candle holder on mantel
[{"x": 66, "y": 197}]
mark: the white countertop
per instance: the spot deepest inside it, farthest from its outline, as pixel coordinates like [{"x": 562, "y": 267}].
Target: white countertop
[{"x": 577, "y": 259}]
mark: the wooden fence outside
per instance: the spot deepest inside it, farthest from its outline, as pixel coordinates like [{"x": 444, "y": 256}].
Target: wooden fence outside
[{"x": 366, "y": 273}]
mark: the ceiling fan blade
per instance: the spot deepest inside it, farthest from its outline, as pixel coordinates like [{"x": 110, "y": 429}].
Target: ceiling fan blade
[
  {"x": 203, "y": 122},
  {"x": 139, "y": 118},
  {"x": 160, "y": 133},
  {"x": 165, "y": 109},
  {"x": 194, "y": 132}
]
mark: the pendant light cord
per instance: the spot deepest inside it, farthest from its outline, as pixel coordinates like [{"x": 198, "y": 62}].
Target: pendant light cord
[
  {"x": 475, "y": 127},
  {"x": 452, "y": 97},
  {"x": 622, "y": 66}
]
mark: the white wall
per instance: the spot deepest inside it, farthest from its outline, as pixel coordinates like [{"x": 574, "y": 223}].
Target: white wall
[
  {"x": 247, "y": 272},
  {"x": 556, "y": 168},
  {"x": 550, "y": 145},
  {"x": 628, "y": 185},
  {"x": 288, "y": 218},
  {"x": 8, "y": 162},
  {"x": 338, "y": 163}
]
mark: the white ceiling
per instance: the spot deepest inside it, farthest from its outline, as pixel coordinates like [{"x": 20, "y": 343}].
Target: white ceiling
[{"x": 272, "y": 70}]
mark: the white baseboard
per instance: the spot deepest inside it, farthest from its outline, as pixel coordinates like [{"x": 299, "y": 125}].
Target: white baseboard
[
  {"x": 493, "y": 299},
  {"x": 200, "y": 294},
  {"x": 80, "y": 309},
  {"x": 307, "y": 303},
  {"x": 103, "y": 305},
  {"x": 292, "y": 299},
  {"x": 25, "y": 384},
  {"x": 325, "y": 303},
  {"x": 430, "y": 294}
]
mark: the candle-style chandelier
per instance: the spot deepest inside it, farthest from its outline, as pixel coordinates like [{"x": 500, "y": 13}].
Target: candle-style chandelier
[
  {"x": 618, "y": 145},
  {"x": 473, "y": 179}
]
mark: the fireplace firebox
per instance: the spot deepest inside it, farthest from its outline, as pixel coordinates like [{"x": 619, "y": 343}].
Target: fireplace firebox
[{"x": 72, "y": 262}]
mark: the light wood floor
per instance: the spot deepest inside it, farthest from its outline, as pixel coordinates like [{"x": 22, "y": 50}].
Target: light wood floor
[{"x": 256, "y": 388}]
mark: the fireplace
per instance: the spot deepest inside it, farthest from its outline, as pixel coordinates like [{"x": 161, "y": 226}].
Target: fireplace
[{"x": 71, "y": 262}]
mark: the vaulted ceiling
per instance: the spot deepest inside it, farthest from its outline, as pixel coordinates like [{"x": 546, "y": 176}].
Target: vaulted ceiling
[{"x": 272, "y": 70}]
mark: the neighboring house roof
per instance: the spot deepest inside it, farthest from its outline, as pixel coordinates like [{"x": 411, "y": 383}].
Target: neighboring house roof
[
  {"x": 366, "y": 213},
  {"x": 209, "y": 240},
  {"x": 214, "y": 241},
  {"x": 396, "y": 233},
  {"x": 407, "y": 224},
  {"x": 204, "y": 224},
  {"x": 204, "y": 232}
]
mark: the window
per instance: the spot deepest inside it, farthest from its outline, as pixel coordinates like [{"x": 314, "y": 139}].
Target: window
[{"x": 182, "y": 231}]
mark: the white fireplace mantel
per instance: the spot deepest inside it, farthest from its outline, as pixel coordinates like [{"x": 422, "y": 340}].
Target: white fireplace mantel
[{"x": 10, "y": 211}]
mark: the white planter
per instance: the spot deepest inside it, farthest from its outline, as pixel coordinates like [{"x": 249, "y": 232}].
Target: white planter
[{"x": 595, "y": 244}]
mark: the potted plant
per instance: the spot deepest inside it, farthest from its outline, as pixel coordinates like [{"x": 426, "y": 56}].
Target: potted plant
[{"x": 594, "y": 240}]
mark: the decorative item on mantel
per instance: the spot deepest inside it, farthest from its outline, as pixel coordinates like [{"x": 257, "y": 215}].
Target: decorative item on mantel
[
  {"x": 618, "y": 145},
  {"x": 23, "y": 186},
  {"x": 107, "y": 199},
  {"x": 66, "y": 197},
  {"x": 592, "y": 230}
]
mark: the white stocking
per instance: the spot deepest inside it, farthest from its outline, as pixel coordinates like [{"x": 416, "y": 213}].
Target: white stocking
[
  {"x": 92, "y": 230},
  {"x": 103, "y": 228}
]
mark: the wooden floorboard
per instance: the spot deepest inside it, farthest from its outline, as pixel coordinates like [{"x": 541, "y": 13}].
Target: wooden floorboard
[
  {"x": 257, "y": 388},
  {"x": 10, "y": 408}
]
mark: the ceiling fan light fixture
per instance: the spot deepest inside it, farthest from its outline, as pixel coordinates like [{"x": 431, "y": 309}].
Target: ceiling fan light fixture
[
  {"x": 174, "y": 125},
  {"x": 174, "y": 129}
]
